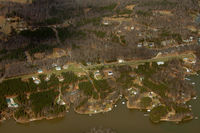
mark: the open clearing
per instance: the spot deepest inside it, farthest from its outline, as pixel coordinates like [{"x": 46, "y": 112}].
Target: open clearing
[{"x": 80, "y": 68}]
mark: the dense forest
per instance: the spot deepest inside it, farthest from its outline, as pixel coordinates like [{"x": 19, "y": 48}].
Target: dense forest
[
  {"x": 79, "y": 28},
  {"x": 41, "y": 101}
]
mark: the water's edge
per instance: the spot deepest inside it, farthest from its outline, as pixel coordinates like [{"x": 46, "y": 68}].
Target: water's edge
[{"x": 120, "y": 118}]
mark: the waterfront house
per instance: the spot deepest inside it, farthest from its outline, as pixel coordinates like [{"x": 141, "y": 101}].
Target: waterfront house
[
  {"x": 11, "y": 103},
  {"x": 60, "y": 101}
]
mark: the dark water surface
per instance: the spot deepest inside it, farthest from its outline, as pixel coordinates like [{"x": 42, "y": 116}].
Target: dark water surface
[{"x": 120, "y": 118}]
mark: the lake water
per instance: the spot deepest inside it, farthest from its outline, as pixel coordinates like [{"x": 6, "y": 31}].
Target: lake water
[{"x": 120, "y": 119}]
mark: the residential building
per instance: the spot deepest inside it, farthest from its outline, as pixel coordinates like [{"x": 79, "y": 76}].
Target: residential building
[
  {"x": 110, "y": 73},
  {"x": 11, "y": 103},
  {"x": 40, "y": 71},
  {"x": 65, "y": 67},
  {"x": 58, "y": 68},
  {"x": 139, "y": 45},
  {"x": 199, "y": 40},
  {"x": 120, "y": 60},
  {"x": 37, "y": 81},
  {"x": 160, "y": 63}
]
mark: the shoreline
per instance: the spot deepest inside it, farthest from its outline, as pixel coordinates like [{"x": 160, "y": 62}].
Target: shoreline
[
  {"x": 95, "y": 110},
  {"x": 22, "y": 121}
]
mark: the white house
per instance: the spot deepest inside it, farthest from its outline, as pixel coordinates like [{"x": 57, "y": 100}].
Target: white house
[
  {"x": 34, "y": 78},
  {"x": 58, "y": 68},
  {"x": 160, "y": 63},
  {"x": 148, "y": 110},
  {"x": 60, "y": 101},
  {"x": 105, "y": 23},
  {"x": 120, "y": 60},
  {"x": 110, "y": 73},
  {"x": 11, "y": 103},
  {"x": 132, "y": 28},
  {"x": 37, "y": 81}
]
